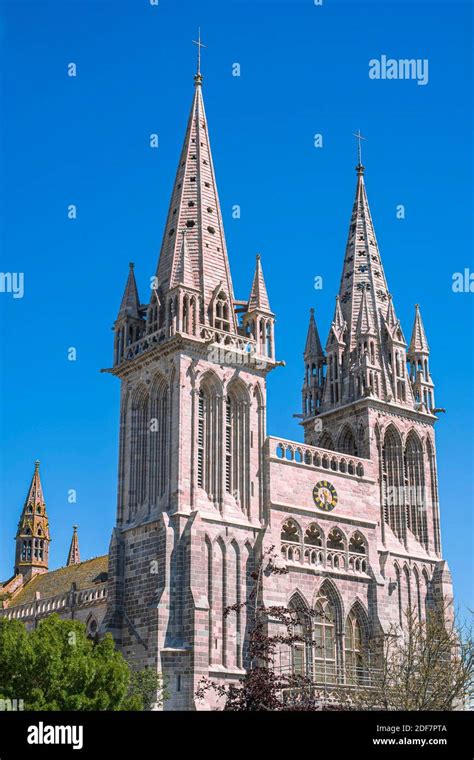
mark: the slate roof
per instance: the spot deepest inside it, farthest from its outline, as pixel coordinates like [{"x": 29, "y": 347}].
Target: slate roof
[{"x": 84, "y": 575}]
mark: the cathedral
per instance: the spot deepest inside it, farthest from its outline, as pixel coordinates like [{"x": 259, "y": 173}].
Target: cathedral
[{"x": 352, "y": 513}]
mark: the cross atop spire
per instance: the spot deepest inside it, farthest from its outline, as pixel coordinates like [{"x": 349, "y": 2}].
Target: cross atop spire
[
  {"x": 359, "y": 137},
  {"x": 198, "y": 76}
]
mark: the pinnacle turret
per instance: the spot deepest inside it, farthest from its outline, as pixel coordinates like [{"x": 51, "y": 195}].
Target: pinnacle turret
[
  {"x": 73, "y": 557},
  {"x": 258, "y": 295},
  {"x": 418, "y": 342},
  {"x": 314, "y": 370},
  {"x": 129, "y": 325},
  {"x": 258, "y": 320},
  {"x": 130, "y": 304},
  {"x": 313, "y": 348},
  {"x": 418, "y": 356}
]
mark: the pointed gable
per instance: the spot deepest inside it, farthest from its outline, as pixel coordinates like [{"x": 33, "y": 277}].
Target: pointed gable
[
  {"x": 365, "y": 322},
  {"x": 195, "y": 206},
  {"x": 183, "y": 273},
  {"x": 338, "y": 326},
  {"x": 258, "y": 295}
]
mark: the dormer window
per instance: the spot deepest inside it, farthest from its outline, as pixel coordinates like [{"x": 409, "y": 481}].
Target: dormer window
[{"x": 221, "y": 312}]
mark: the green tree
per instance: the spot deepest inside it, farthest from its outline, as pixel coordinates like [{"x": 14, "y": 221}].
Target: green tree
[
  {"x": 149, "y": 686},
  {"x": 426, "y": 665},
  {"x": 57, "y": 667}
]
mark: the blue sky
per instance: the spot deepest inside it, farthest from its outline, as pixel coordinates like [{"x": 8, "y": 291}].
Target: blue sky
[{"x": 85, "y": 140}]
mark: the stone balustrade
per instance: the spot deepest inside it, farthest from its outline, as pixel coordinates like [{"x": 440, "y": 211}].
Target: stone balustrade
[
  {"x": 58, "y": 603},
  {"x": 313, "y": 456},
  {"x": 325, "y": 558}
]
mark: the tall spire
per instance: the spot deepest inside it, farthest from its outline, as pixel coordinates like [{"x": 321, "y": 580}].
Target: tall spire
[
  {"x": 195, "y": 206},
  {"x": 32, "y": 537},
  {"x": 366, "y": 350},
  {"x": 258, "y": 295},
  {"x": 73, "y": 558},
  {"x": 363, "y": 270}
]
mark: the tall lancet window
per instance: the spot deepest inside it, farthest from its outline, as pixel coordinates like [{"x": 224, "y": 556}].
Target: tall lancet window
[
  {"x": 354, "y": 650},
  {"x": 301, "y": 649},
  {"x": 207, "y": 439},
  {"x": 333, "y": 378},
  {"x": 393, "y": 483},
  {"x": 434, "y": 507},
  {"x": 237, "y": 443},
  {"x": 159, "y": 439},
  {"x": 325, "y": 660},
  {"x": 415, "y": 489},
  {"x": 138, "y": 450}
]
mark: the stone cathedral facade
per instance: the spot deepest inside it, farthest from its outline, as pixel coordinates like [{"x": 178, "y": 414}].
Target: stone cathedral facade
[{"x": 202, "y": 489}]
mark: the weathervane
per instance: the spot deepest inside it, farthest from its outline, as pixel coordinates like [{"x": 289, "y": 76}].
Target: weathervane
[
  {"x": 359, "y": 147},
  {"x": 199, "y": 46}
]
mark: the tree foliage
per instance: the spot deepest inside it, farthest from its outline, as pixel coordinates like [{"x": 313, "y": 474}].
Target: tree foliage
[
  {"x": 57, "y": 667},
  {"x": 426, "y": 665}
]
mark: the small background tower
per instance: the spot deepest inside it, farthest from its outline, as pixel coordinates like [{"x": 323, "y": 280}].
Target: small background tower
[{"x": 32, "y": 537}]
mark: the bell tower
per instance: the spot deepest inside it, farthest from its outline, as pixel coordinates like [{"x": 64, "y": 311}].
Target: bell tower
[
  {"x": 32, "y": 536},
  {"x": 192, "y": 366}
]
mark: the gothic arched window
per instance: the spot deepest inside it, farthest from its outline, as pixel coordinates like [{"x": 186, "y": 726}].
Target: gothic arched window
[
  {"x": 434, "y": 496},
  {"x": 291, "y": 541},
  {"x": 313, "y": 536},
  {"x": 347, "y": 444},
  {"x": 221, "y": 312},
  {"x": 236, "y": 444},
  {"x": 326, "y": 442},
  {"x": 353, "y": 650},
  {"x": 415, "y": 489},
  {"x": 301, "y": 649},
  {"x": 393, "y": 482},
  {"x": 335, "y": 540},
  {"x": 138, "y": 450},
  {"x": 357, "y": 543},
  {"x": 207, "y": 440},
  {"x": 325, "y": 669},
  {"x": 159, "y": 439}
]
